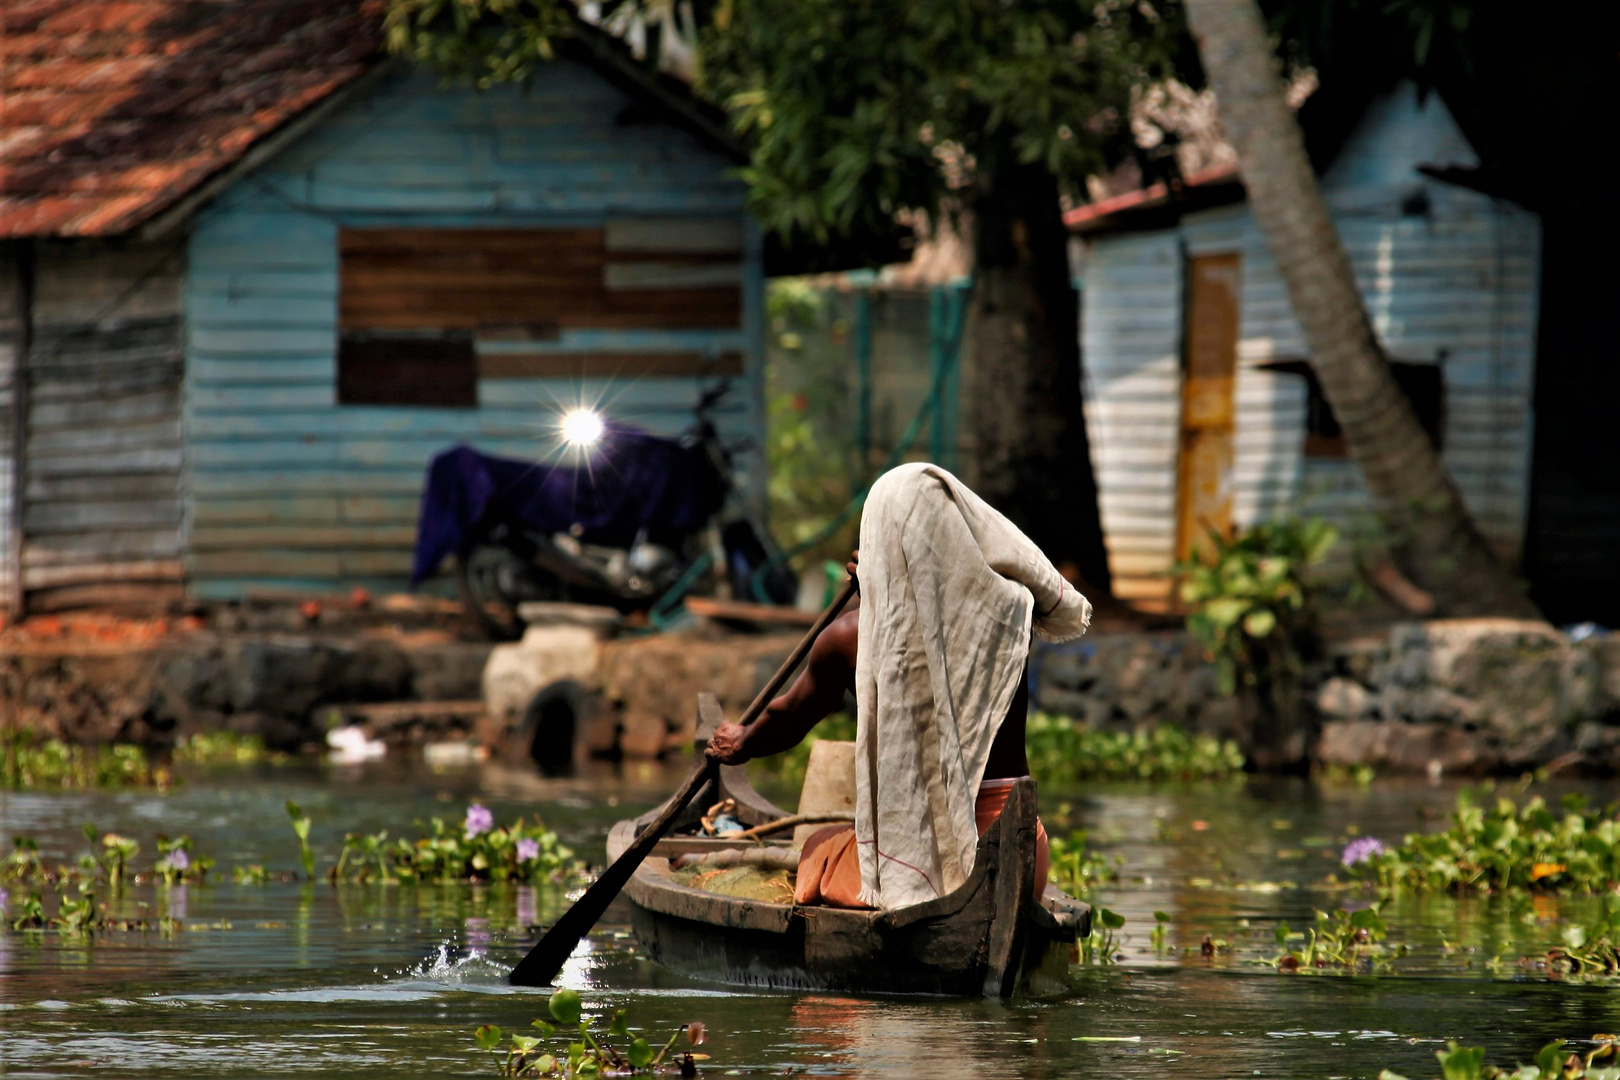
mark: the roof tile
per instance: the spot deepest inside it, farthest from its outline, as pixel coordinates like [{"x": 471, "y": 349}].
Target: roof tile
[{"x": 115, "y": 109}]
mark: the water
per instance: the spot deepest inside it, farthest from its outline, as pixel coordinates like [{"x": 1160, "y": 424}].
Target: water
[{"x": 296, "y": 979}]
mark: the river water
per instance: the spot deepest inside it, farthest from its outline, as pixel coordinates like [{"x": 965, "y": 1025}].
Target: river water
[{"x": 296, "y": 979}]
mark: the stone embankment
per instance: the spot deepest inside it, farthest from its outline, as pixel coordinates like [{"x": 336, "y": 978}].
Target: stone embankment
[{"x": 1454, "y": 696}]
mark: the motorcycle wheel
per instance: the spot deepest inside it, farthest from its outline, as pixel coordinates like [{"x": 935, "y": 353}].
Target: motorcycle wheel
[{"x": 492, "y": 581}]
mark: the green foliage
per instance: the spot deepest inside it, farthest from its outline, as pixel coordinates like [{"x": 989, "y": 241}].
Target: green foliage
[
  {"x": 300, "y": 824},
  {"x": 1103, "y": 945},
  {"x": 856, "y": 112},
  {"x": 809, "y": 481},
  {"x": 450, "y": 852},
  {"x": 27, "y": 762},
  {"x": 1553, "y": 1062},
  {"x": 787, "y": 768},
  {"x": 223, "y": 748},
  {"x": 1591, "y": 948},
  {"x": 1076, "y": 870},
  {"x": 1339, "y": 940},
  {"x": 1506, "y": 847},
  {"x": 1248, "y": 601},
  {"x": 1063, "y": 752},
  {"x": 110, "y": 860},
  {"x": 483, "y": 41},
  {"x": 589, "y": 1053}
]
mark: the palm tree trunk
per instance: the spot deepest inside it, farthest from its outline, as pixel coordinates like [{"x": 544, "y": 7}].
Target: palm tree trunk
[
  {"x": 1429, "y": 526},
  {"x": 1031, "y": 459}
]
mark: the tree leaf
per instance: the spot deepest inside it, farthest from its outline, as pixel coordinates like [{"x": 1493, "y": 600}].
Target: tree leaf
[{"x": 1259, "y": 623}]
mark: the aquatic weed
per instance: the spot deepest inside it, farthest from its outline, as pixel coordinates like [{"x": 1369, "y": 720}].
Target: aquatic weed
[
  {"x": 1062, "y": 751},
  {"x": 28, "y": 762},
  {"x": 1340, "y": 939},
  {"x": 1076, "y": 870},
  {"x": 224, "y": 748},
  {"x": 1553, "y": 1062},
  {"x": 1506, "y": 847},
  {"x": 477, "y": 851},
  {"x": 590, "y": 1053}
]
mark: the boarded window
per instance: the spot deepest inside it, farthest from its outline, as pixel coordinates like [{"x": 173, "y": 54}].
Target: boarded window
[
  {"x": 440, "y": 307},
  {"x": 1423, "y": 384},
  {"x": 434, "y": 370}
]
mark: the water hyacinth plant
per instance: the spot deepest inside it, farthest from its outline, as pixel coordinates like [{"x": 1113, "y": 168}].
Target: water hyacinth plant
[
  {"x": 1076, "y": 870},
  {"x": 111, "y": 859},
  {"x": 1343, "y": 940},
  {"x": 477, "y": 850},
  {"x": 555, "y": 1050},
  {"x": 1062, "y": 751},
  {"x": 1554, "y": 1062},
  {"x": 1504, "y": 847}
]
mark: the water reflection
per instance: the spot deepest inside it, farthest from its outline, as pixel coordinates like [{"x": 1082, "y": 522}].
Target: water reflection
[{"x": 379, "y": 980}]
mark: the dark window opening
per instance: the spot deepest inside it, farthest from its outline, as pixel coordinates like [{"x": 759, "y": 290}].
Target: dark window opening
[
  {"x": 439, "y": 371},
  {"x": 1423, "y": 384}
]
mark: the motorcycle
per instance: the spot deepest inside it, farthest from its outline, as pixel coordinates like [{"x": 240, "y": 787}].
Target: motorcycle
[{"x": 628, "y": 517}]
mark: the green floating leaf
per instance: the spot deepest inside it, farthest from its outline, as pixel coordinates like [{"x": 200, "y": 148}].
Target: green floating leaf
[
  {"x": 487, "y": 1037},
  {"x": 640, "y": 1053},
  {"x": 618, "y": 1027},
  {"x": 565, "y": 1006},
  {"x": 1111, "y": 920}
]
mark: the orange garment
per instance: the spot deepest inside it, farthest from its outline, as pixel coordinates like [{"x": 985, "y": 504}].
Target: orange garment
[{"x": 830, "y": 871}]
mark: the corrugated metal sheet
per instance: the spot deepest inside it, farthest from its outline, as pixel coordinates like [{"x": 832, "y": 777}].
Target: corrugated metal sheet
[
  {"x": 101, "y": 506},
  {"x": 1130, "y": 342},
  {"x": 1456, "y": 285},
  {"x": 285, "y": 489}
]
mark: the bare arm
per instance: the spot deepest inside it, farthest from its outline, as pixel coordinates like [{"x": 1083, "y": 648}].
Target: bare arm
[{"x": 816, "y": 694}]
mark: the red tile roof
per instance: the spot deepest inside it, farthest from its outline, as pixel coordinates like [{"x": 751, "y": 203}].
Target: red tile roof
[
  {"x": 1093, "y": 215},
  {"x": 112, "y": 110}
]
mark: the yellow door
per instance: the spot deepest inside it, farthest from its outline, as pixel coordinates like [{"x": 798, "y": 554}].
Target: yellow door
[{"x": 1204, "y": 470}]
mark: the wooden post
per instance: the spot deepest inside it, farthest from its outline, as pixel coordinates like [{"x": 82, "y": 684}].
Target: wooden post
[{"x": 22, "y": 345}]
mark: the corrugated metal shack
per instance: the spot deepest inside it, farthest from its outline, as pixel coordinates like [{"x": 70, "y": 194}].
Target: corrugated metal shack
[
  {"x": 255, "y": 276},
  {"x": 1200, "y": 401}
]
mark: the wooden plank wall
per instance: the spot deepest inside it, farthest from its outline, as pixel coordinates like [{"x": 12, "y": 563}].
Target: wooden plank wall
[
  {"x": 287, "y": 490},
  {"x": 101, "y": 504}
]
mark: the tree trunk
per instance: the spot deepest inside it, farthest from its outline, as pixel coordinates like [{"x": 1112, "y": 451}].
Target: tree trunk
[
  {"x": 1032, "y": 460},
  {"x": 1429, "y": 526}
]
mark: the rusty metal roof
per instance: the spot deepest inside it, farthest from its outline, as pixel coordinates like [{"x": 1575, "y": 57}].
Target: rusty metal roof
[{"x": 112, "y": 110}]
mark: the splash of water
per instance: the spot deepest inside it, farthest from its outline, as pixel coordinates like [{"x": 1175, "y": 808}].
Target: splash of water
[{"x": 450, "y": 965}]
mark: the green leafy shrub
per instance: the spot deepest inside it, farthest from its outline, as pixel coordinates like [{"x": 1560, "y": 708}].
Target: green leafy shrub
[
  {"x": 223, "y": 748},
  {"x": 475, "y": 850},
  {"x": 1061, "y": 751},
  {"x": 556, "y": 1051},
  {"x": 786, "y": 770},
  {"x": 1506, "y": 847},
  {"x": 1248, "y": 601}
]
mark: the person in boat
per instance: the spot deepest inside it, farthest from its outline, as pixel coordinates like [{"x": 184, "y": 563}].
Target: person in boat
[{"x": 936, "y": 656}]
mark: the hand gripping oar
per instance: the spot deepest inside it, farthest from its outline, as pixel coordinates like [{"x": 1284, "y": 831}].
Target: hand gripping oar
[{"x": 552, "y": 951}]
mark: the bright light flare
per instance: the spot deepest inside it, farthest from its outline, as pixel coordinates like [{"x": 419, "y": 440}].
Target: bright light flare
[{"x": 582, "y": 428}]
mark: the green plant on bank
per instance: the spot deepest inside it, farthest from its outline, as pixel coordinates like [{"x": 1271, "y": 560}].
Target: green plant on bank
[
  {"x": 555, "y": 1050},
  {"x": 1340, "y": 939},
  {"x": 1247, "y": 598},
  {"x": 1506, "y": 847},
  {"x": 787, "y": 768},
  {"x": 1554, "y": 1062},
  {"x": 474, "y": 851},
  {"x": 809, "y": 481},
  {"x": 28, "y": 762},
  {"x": 1062, "y": 751},
  {"x": 1076, "y": 870}
]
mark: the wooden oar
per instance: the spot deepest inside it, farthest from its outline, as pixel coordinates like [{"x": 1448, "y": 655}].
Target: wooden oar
[{"x": 552, "y": 951}]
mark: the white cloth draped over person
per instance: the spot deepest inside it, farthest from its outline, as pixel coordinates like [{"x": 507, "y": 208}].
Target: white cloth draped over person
[{"x": 951, "y": 592}]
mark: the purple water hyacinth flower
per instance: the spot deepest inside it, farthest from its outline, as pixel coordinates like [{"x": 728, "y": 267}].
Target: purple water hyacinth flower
[
  {"x": 528, "y": 849},
  {"x": 479, "y": 820},
  {"x": 1359, "y": 851},
  {"x": 179, "y": 860},
  {"x": 5, "y": 898}
]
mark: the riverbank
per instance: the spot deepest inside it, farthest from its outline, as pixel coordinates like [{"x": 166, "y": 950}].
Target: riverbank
[{"x": 1470, "y": 697}]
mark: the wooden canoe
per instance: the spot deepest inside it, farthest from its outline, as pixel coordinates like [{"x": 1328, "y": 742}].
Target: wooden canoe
[{"x": 988, "y": 938}]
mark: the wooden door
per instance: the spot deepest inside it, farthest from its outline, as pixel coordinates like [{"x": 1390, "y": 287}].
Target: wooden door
[{"x": 1204, "y": 469}]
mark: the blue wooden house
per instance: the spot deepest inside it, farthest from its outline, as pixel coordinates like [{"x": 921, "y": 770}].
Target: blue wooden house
[{"x": 256, "y": 276}]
